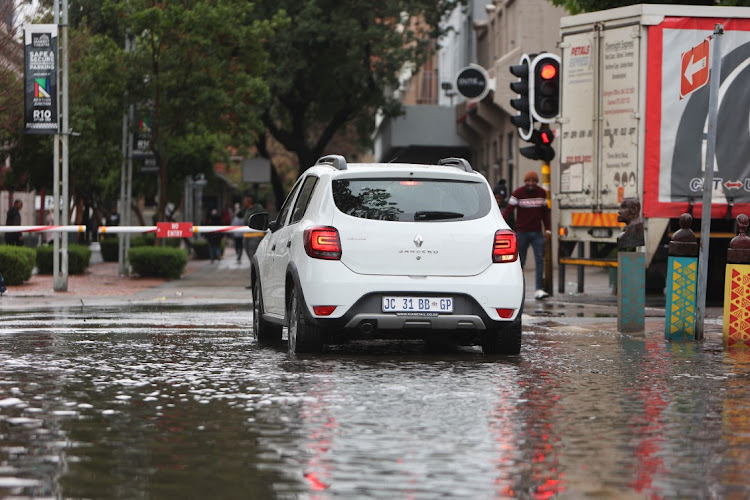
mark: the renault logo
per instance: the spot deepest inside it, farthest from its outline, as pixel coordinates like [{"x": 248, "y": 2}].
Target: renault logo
[{"x": 418, "y": 241}]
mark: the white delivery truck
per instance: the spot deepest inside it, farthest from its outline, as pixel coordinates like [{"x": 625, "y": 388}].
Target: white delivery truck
[{"x": 633, "y": 123}]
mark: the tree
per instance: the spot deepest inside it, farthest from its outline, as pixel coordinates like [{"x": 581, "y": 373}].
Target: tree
[
  {"x": 195, "y": 73},
  {"x": 578, "y": 6},
  {"x": 338, "y": 64},
  {"x": 11, "y": 79}
]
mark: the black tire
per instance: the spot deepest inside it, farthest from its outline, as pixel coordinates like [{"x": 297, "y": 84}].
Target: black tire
[
  {"x": 503, "y": 340},
  {"x": 264, "y": 331},
  {"x": 303, "y": 337}
]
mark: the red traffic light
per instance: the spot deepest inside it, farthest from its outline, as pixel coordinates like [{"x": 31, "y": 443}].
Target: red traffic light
[{"x": 548, "y": 71}]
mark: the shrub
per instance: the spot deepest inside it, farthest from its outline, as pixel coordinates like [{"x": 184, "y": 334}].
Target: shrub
[
  {"x": 79, "y": 257},
  {"x": 200, "y": 247},
  {"x": 161, "y": 262},
  {"x": 110, "y": 245},
  {"x": 16, "y": 263}
]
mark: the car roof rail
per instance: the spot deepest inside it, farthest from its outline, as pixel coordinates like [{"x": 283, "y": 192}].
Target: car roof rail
[
  {"x": 456, "y": 162},
  {"x": 336, "y": 161}
]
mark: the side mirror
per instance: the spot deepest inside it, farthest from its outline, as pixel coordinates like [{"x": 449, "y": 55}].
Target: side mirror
[{"x": 259, "y": 221}]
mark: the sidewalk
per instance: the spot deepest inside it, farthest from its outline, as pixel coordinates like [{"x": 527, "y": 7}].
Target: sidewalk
[{"x": 222, "y": 282}]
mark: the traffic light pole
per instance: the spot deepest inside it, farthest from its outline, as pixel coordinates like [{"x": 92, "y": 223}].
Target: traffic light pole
[{"x": 547, "y": 279}]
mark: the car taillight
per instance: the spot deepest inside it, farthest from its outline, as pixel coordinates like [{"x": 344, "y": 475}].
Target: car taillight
[
  {"x": 323, "y": 310},
  {"x": 322, "y": 242},
  {"x": 505, "y": 313},
  {"x": 506, "y": 246}
]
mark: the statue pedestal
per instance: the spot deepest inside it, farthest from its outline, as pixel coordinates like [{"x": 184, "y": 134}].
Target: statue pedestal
[
  {"x": 681, "y": 291},
  {"x": 737, "y": 306},
  {"x": 631, "y": 296}
]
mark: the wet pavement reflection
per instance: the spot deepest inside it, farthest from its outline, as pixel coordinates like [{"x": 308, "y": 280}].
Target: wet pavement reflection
[{"x": 182, "y": 403}]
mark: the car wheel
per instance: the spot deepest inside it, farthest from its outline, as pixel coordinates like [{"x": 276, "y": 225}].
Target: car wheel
[
  {"x": 303, "y": 337},
  {"x": 264, "y": 331},
  {"x": 503, "y": 340}
]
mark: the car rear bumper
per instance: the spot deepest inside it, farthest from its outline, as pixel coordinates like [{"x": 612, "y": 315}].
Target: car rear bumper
[{"x": 500, "y": 286}]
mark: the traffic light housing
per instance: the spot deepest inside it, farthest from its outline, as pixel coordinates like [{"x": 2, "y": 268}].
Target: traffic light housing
[
  {"x": 523, "y": 120},
  {"x": 542, "y": 148},
  {"x": 544, "y": 93}
]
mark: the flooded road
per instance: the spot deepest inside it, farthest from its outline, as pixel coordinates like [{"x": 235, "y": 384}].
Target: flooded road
[{"x": 182, "y": 403}]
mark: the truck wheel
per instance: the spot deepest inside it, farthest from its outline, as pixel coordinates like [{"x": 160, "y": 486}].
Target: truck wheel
[
  {"x": 303, "y": 337},
  {"x": 264, "y": 331},
  {"x": 503, "y": 340}
]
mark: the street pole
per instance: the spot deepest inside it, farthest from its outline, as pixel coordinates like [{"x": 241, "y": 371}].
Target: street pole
[
  {"x": 547, "y": 281},
  {"x": 122, "y": 267},
  {"x": 60, "y": 248},
  {"x": 708, "y": 178}
]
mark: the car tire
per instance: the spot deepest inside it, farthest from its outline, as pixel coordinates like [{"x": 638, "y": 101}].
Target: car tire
[
  {"x": 503, "y": 340},
  {"x": 303, "y": 337},
  {"x": 264, "y": 331}
]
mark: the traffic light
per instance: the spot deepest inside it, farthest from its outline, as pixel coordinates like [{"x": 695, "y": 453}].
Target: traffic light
[
  {"x": 542, "y": 148},
  {"x": 523, "y": 120},
  {"x": 545, "y": 87}
]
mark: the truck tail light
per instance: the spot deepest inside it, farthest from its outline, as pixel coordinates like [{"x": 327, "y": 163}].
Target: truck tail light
[
  {"x": 562, "y": 231},
  {"x": 322, "y": 242},
  {"x": 505, "y": 248}
]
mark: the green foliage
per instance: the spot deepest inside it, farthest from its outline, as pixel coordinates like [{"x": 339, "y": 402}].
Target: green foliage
[
  {"x": 161, "y": 262},
  {"x": 579, "y": 6},
  {"x": 110, "y": 246},
  {"x": 79, "y": 257},
  {"x": 202, "y": 64},
  {"x": 337, "y": 63},
  {"x": 16, "y": 264}
]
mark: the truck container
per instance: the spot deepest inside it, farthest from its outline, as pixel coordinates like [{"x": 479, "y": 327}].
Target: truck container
[{"x": 633, "y": 123}]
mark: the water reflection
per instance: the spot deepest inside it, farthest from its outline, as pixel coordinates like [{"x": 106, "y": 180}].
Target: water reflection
[{"x": 176, "y": 403}]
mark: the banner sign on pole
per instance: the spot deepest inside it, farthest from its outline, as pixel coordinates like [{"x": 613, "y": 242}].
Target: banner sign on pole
[{"x": 40, "y": 77}]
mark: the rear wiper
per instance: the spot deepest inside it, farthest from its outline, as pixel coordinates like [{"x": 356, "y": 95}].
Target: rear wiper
[{"x": 435, "y": 214}]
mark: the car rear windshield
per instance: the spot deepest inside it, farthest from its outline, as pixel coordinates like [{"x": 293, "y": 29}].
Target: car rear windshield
[{"x": 410, "y": 200}]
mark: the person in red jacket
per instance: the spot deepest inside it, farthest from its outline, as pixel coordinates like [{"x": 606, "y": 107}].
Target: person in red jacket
[{"x": 532, "y": 224}]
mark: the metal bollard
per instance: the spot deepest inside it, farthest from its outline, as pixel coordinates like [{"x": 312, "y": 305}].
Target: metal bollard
[
  {"x": 631, "y": 269},
  {"x": 682, "y": 277},
  {"x": 737, "y": 288}
]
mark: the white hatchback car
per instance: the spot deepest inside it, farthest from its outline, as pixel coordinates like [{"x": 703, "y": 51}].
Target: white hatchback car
[{"x": 401, "y": 251}]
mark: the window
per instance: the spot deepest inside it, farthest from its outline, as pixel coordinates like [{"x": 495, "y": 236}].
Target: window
[
  {"x": 410, "y": 200},
  {"x": 303, "y": 199},
  {"x": 286, "y": 207}
]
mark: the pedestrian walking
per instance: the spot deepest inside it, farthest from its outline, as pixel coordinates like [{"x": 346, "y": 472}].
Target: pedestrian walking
[
  {"x": 214, "y": 239},
  {"x": 14, "y": 219},
  {"x": 533, "y": 225},
  {"x": 251, "y": 243},
  {"x": 49, "y": 220},
  {"x": 237, "y": 237},
  {"x": 501, "y": 197}
]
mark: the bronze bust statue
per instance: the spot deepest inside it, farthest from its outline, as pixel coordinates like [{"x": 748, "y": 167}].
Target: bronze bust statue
[
  {"x": 684, "y": 243},
  {"x": 632, "y": 233}
]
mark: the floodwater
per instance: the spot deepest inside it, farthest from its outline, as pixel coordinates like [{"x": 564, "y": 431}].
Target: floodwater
[{"x": 182, "y": 403}]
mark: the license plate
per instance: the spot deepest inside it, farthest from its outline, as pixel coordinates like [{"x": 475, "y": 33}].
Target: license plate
[{"x": 418, "y": 304}]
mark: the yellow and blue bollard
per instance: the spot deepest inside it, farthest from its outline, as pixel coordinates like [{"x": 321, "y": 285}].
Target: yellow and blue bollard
[
  {"x": 737, "y": 288},
  {"x": 682, "y": 277}
]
